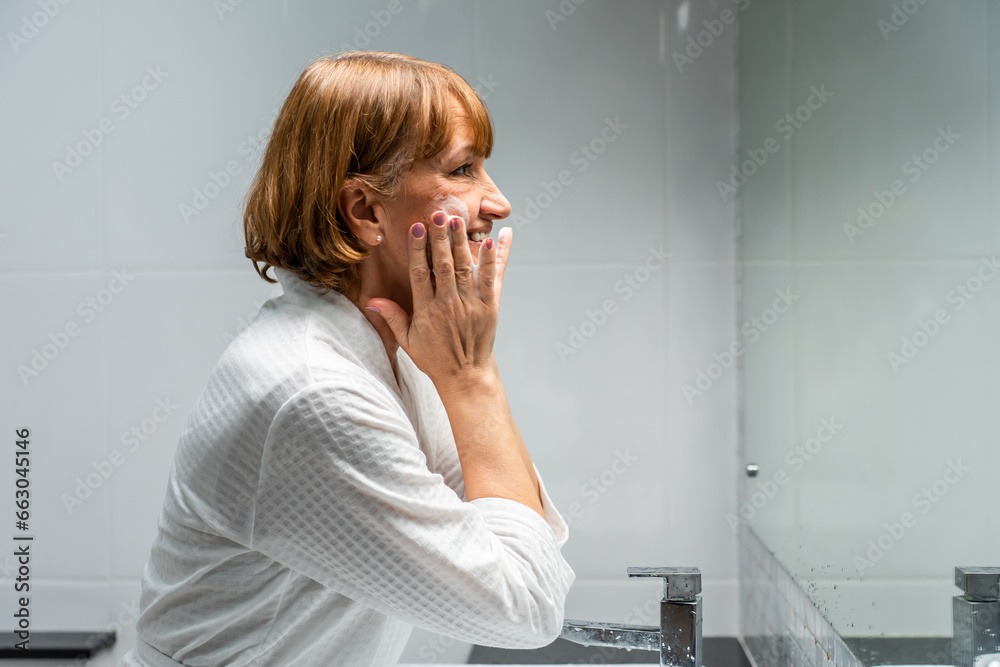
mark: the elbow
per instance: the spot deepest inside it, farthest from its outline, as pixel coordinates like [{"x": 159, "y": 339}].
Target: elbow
[
  {"x": 549, "y": 630},
  {"x": 536, "y": 629},
  {"x": 535, "y": 620}
]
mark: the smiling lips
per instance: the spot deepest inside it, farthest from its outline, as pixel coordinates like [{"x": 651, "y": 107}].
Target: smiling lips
[{"x": 475, "y": 240}]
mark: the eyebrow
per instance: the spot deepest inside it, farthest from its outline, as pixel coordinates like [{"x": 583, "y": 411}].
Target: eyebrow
[
  {"x": 468, "y": 149},
  {"x": 444, "y": 157}
]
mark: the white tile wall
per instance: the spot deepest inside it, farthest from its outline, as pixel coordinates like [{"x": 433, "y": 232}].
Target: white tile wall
[
  {"x": 53, "y": 105},
  {"x": 857, "y": 300},
  {"x": 604, "y": 78},
  {"x": 882, "y": 112}
]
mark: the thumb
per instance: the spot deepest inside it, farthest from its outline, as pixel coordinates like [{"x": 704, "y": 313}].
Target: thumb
[{"x": 395, "y": 317}]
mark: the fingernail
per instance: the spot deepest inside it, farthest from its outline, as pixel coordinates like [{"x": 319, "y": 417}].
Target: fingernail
[
  {"x": 489, "y": 244},
  {"x": 373, "y": 308},
  {"x": 456, "y": 223},
  {"x": 439, "y": 218},
  {"x": 418, "y": 231}
]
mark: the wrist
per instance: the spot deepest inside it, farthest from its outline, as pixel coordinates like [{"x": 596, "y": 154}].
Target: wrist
[{"x": 465, "y": 384}]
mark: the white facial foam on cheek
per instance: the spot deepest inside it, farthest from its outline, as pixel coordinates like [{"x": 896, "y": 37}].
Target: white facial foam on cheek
[{"x": 452, "y": 205}]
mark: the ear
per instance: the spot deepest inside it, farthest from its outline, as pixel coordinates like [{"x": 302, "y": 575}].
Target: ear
[{"x": 363, "y": 213}]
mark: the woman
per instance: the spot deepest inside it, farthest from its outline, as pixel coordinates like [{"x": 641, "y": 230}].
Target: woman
[{"x": 352, "y": 468}]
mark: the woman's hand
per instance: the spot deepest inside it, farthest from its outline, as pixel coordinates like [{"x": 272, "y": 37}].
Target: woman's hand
[
  {"x": 450, "y": 338},
  {"x": 451, "y": 332}
]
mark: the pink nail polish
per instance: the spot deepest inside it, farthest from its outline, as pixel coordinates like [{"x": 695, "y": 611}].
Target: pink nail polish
[
  {"x": 418, "y": 231},
  {"x": 439, "y": 218},
  {"x": 456, "y": 223},
  {"x": 489, "y": 244},
  {"x": 373, "y": 308}
]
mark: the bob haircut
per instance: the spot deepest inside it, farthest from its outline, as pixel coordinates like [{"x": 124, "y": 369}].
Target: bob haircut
[{"x": 361, "y": 117}]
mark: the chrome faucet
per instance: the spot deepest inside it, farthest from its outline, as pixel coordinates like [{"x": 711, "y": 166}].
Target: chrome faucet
[
  {"x": 678, "y": 638},
  {"x": 976, "y": 615}
]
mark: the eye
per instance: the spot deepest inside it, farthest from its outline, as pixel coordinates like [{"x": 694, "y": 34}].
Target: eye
[{"x": 463, "y": 170}]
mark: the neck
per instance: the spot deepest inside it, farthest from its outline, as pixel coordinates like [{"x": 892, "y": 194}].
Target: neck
[{"x": 371, "y": 287}]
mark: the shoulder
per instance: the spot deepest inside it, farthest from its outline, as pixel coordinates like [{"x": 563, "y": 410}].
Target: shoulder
[
  {"x": 341, "y": 413},
  {"x": 290, "y": 343}
]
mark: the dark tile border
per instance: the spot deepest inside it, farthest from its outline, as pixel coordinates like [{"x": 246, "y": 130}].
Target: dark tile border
[
  {"x": 901, "y": 650},
  {"x": 719, "y": 652},
  {"x": 49, "y": 645}
]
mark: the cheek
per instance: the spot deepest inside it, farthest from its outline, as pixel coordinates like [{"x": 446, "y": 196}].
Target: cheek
[{"x": 452, "y": 205}]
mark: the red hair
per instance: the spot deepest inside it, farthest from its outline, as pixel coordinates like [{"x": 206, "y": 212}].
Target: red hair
[{"x": 362, "y": 115}]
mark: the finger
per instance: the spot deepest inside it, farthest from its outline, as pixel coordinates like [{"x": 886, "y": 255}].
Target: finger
[
  {"x": 505, "y": 238},
  {"x": 462, "y": 258},
  {"x": 441, "y": 259},
  {"x": 395, "y": 317},
  {"x": 420, "y": 273},
  {"x": 487, "y": 271}
]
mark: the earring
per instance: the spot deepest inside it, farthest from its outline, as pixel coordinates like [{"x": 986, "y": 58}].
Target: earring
[{"x": 378, "y": 237}]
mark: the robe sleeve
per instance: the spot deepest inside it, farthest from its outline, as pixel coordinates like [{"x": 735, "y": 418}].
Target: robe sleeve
[
  {"x": 346, "y": 498},
  {"x": 443, "y": 455}
]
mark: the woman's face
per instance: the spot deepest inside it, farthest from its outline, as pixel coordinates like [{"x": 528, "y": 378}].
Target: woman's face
[{"x": 455, "y": 181}]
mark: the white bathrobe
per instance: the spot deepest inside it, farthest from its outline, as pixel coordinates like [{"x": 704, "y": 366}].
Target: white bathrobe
[{"x": 315, "y": 512}]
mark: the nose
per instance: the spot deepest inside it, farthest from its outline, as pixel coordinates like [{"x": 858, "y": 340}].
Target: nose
[{"x": 494, "y": 205}]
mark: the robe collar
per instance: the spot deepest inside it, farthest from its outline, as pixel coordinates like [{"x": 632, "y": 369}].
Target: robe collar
[{"x": 359, "y": 341}]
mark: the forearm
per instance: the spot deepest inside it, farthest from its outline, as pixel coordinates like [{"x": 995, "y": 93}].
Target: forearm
[
  {"x": 495, "y": 462},
  {"x": 524, "y": 453}
]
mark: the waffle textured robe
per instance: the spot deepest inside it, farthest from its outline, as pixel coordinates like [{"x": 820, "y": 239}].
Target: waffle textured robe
[{"x": 315, "y": 512}]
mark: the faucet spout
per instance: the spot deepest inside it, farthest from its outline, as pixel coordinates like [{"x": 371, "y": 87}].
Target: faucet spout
[
  {"x": 592, "y": 633},
  {"x": 678, "y": 637}
]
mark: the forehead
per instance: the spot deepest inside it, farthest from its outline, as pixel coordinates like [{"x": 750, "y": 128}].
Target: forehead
[
  {"x": 468, "y": 126},
  {"x": 456, "y": 124},
  {"x": 461, "y": 137},
  {"x": 459, "y": 125}
]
